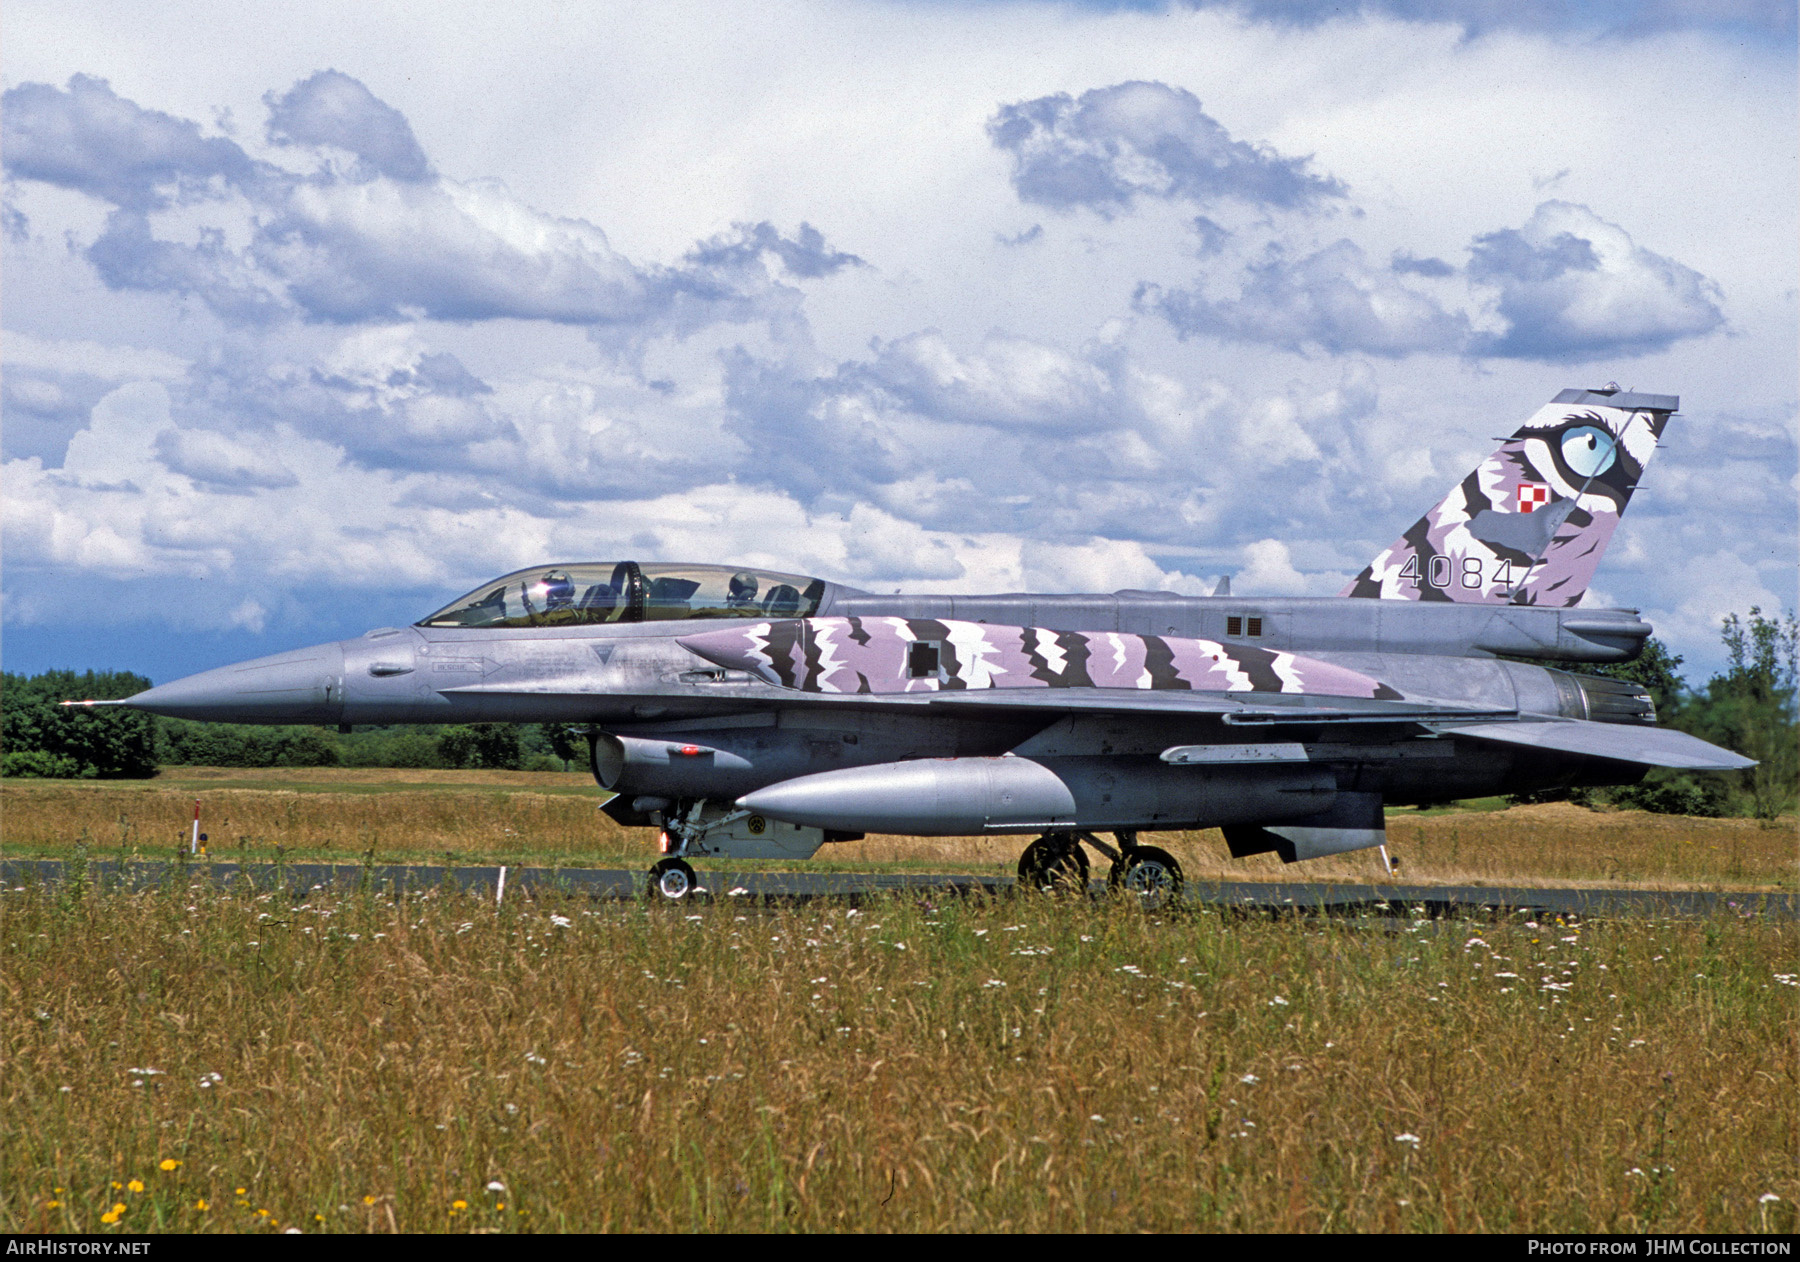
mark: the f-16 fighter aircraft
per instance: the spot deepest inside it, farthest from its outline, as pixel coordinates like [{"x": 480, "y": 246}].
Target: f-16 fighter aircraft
[{"x": 762, "y": 715}]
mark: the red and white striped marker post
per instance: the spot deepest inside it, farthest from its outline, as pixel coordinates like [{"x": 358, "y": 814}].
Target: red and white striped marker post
[{"x": 194, "y": 840}]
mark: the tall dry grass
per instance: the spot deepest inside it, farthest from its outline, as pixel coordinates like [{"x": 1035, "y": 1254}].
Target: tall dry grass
[
  {"x": 184, "y": 1060},
  {"x": 1554, "y": 844},
  {"x": 327, "y": 813},
  {"x": 527, "y": 817}
]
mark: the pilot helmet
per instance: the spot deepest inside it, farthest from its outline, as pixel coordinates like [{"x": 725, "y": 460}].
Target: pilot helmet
[
  {"x": 558, "y": 590},
  {"x": 743, "y": 586}
]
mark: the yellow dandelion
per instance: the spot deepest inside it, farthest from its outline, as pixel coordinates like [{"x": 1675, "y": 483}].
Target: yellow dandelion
[
  {"x": 52, "y": 1204},
  {"x": 318, "y": 1218},
  {"x": 169, "y": 1163},
  {"x": 458, "y": 1205},
  {"x": 58, "y": 1191},
  {"x": 263, "y": 1212},
  {"x": 239, "y": 1191},
  {"x": 501, "y": 1205},
  {"x": 111, "y": 1217},
  {"x": 201, "y": 1205},
  {"x": 117, "y": 1185},
  {"x": 368, "y": 1200},
  {"x": 136, "y": 1185}
]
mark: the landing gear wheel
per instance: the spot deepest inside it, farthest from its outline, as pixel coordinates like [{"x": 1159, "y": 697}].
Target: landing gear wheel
[
  {"x": 1150, "y": 873},
  {"x": 1054, "y": 865},
  {"x": 673, "y": 879}
]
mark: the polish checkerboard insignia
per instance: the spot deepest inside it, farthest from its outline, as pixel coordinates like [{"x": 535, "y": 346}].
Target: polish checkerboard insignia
[{"x": 1532, "y": 495}]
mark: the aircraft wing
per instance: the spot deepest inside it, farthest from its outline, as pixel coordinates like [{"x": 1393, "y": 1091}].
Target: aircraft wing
[
  {"x": 1235, "y": 709},
  {"x": 1623, "y": 742},
  {"x": 1261, "y": 709}
]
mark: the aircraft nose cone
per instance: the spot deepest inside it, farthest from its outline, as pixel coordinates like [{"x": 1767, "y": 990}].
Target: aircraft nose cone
[{"x": 304, "y": 686}]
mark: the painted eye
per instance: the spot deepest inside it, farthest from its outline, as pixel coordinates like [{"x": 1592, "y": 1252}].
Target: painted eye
[{"x": 1588, "y": 451}]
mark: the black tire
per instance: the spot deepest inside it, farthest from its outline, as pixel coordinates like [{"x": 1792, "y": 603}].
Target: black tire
[
  {"x": 1054, "y": 865},
  {"x": 673, "y": 880},
  {"x": 1148, "y": 872}
]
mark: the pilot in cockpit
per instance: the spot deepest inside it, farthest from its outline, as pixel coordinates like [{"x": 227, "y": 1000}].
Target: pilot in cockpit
[
  {"x": 557, "y": 592},
  {"x": 743, "y": 591}
]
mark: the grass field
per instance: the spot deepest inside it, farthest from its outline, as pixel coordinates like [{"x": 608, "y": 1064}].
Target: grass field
[
  {"x": 545, "y": 817},
  {"x": 185, "y": 1060}
]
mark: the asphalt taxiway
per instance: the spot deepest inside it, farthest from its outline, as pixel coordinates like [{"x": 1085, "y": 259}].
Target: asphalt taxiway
[{"x": 723, "y": 884}]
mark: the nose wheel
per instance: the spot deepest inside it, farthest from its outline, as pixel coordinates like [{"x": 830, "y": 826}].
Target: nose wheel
[{"x": 672, "y": 879}]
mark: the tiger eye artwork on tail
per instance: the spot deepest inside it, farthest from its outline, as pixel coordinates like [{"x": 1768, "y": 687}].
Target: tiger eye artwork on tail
[
  {"x": 1529, "y": 525},
  {"x": 749, "y": 713}
]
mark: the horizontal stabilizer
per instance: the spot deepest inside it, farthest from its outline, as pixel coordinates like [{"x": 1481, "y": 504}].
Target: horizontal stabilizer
[{"x": 1623, "y": 742}]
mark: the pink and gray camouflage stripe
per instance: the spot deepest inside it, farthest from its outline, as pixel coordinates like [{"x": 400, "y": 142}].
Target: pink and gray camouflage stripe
[{"x": 901, "y": 655}]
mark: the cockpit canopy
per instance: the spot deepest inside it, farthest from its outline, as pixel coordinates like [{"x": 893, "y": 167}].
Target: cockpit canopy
[{"x": 594, "y": 592}]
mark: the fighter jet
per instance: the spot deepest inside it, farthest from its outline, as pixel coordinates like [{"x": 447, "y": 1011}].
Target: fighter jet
[{"x": 747, "y": 714}]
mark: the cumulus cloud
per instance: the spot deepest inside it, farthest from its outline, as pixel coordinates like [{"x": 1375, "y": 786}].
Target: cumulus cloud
[
  {"x": 128, "y": 255},
  {"x": 249, "y": 614},
  {"x": 1334, "y": 300},
  {"x": 207, "y": 456},
  {"x": 1010, "y": 382},
  {"x": 1113, "y": 145},
  {"x": 934, "y": 430},
  {"x": 1574, "y": 287},
  {"x": 1100, "y": 565},
  {"x": 51, "y": 385},
  {"x": 805, "y": 254},
  {"x": 1025, "y": 438},
  {"x": 1404, "y": 263},
  {"x": 351, "y": 252},
  {"x": 384, "y": 241},
  {"x": 25, "y": 352},
  {"x": 1567, "y": 286},
  {"x": 88, "y": 138},
  {"x": 331, "y": 108},
  {"x": 1269, "y": 571}
]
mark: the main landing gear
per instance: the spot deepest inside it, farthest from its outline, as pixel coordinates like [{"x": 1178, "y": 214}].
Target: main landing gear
[{"x": 1056, "y": 863}]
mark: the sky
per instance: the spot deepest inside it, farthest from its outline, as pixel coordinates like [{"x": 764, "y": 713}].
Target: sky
[{"x": 315, "y": 318}]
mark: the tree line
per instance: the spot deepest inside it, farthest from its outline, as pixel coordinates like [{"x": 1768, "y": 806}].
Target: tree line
[
  {"x": 1749, "y": 708},
  {"x": 41, "y": 737}
]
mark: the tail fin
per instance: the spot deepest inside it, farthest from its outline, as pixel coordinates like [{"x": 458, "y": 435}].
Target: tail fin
[{"x": 1528, "y": 526}]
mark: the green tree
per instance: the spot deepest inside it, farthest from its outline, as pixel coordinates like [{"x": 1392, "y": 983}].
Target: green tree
[
  {"x": 41, "y": 737},
  {"x": 1663, "y": 791},
  {"x": 491, "y": 745},
  {"x": 1751, "y": 707},
  {"x": 568, "y": 741}
]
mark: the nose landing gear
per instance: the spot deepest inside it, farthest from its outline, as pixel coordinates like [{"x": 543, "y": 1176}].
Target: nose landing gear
[{"x": 673, "y": 879}]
